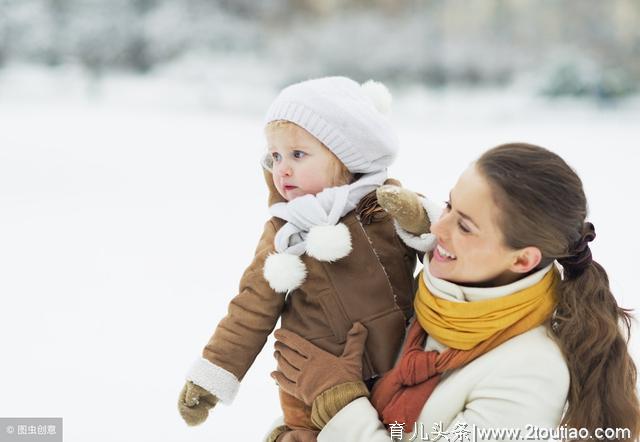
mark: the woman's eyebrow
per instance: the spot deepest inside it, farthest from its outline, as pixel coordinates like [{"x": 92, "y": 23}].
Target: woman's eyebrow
[{"x": 463, "y": 215}]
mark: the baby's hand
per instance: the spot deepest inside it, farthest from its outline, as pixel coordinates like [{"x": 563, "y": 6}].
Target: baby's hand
[
  {"x": 194, "y": 403},
  {"x": 405, "y": 207}
]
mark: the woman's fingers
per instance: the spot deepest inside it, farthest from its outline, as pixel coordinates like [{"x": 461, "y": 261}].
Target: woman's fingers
[
  {"x": 284, "y": 383},
  {"x": 295, "y": 342},
  {"x": 356, "y": 339},
  {"x": 292, "y": 356},
  {"x": 286, "y": 368}
]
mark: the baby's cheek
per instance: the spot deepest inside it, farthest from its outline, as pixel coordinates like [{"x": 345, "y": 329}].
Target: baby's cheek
[
  {"x": 327, "y": 180},
  {"x": 313, "y": 184}
]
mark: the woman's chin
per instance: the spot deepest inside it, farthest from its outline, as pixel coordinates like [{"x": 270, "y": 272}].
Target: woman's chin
[{"x": 440, "y": 270}]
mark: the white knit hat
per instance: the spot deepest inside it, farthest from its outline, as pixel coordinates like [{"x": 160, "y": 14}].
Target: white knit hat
[{"x": 349, "y": 118}]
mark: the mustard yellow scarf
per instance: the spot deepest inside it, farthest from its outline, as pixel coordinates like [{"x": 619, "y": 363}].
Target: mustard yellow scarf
[{"x": 463, "y": 325}]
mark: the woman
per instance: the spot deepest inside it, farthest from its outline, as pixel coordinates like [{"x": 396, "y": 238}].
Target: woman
[{"x": 501, "y": 339}]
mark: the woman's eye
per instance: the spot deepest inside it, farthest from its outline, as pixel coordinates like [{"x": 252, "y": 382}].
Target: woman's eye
[
  {"x": 275, "y": 156},
  {"x": 298, "y": 154},
  {"x": 463, "y": 228}
]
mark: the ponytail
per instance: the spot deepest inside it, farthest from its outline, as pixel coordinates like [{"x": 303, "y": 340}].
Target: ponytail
[
  {"x": 593, "y": 332},
  {"x": 542, "y": 204}
]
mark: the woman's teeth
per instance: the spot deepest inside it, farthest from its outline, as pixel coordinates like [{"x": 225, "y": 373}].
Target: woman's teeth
[{"x": 444, "y": 253}]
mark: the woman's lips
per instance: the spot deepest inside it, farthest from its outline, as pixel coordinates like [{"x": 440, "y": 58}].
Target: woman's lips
[
  {"x": 440, "y": 257},
  {"x": 288, "y": 187}
]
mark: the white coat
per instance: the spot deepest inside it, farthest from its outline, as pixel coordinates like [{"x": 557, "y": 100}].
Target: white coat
[{"x": 520, "y": 385}]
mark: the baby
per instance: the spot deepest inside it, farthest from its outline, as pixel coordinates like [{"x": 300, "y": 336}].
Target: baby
[{"x": 330, "y": 256}]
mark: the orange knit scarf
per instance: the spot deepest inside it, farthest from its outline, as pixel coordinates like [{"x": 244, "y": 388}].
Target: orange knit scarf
[{"x": 399, "y": 396}]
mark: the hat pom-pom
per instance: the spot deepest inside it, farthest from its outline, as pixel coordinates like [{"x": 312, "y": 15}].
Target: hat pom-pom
[
  {"x": 328, "y": 243},
  {"x": 284, "y": 272},
  {"x": 379, "y": 94}
]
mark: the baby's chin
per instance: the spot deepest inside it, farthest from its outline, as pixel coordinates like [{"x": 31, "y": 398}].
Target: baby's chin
[{"x": 290, "y": 195}]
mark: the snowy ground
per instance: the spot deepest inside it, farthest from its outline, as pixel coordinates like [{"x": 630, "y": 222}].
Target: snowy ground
[{"x": 126, "y": 224}]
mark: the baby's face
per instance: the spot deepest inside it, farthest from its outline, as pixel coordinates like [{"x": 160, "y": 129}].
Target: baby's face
[{"x": 301, "y": 163}]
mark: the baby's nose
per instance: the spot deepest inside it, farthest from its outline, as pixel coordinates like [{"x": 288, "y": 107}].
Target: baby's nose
[{"x": 284, "y": 170}]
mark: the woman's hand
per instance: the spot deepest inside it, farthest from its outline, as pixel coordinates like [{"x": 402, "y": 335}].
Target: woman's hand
[{"x": 306, "y": 371}]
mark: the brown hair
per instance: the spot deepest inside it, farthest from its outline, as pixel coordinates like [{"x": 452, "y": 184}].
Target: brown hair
[
  {"x": 542, "y": 204},
  {"x": 340, "y": 174}
]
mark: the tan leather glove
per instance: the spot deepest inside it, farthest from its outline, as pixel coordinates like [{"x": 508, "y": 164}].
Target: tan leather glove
[
  {"x": 194, "y": 403},
  {"x": 405, "y": 207},
  {"x": 306, "y": 371}
]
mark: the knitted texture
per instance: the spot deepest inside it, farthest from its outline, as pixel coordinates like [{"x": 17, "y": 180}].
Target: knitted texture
[
  {"x": 277, "y": 431},
  {"x": 331, "y": 401},
  {"x": 401, "y": 393},
  {"x": 344, "y": 117}
]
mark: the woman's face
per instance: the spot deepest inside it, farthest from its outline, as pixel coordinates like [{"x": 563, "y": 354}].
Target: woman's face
[{"x": 471, "y": 249}]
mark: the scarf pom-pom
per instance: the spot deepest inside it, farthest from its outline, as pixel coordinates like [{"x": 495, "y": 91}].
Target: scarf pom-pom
[
  {"x": 284, "y": 272},
  {"x": 328, "y": 243}
]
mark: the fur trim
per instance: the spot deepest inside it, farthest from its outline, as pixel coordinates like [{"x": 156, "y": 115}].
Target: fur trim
[
  {"x": 216, "y": 380},
  {"x": 328, "y": 243},
  {"x": 427, "y": 241},
  {"x": 434, "y": 210},
  {"x": 284, "y": 272},
  {"x": 379, "y": 94},
  {"x": 423, "y": 243}
]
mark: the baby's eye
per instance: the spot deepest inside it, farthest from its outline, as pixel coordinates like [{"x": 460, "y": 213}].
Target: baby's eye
[
  {"x": 298, "y": 154},
  {"x": 276, "y": 156},
  {"x": 447, "y": 205}
]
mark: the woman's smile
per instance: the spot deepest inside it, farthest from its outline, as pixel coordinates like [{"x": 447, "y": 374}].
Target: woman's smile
[{"x": 441, "y": 254}]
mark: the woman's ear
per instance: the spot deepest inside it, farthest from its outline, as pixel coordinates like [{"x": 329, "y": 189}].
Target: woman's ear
[{"x": 526, "y": 260}]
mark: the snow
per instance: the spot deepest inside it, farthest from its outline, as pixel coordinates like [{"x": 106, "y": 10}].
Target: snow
[{"x": 126, "y": 220}]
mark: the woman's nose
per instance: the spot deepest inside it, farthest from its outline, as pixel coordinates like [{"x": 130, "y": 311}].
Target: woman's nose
[{"x": 439, "y": 227}]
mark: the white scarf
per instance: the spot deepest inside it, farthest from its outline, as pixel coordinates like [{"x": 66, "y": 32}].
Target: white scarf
[{"x": 323, "y": 209}]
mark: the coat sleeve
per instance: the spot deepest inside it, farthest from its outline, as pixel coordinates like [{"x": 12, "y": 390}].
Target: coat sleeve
[
  {"x": 357, "y": 422},
  {"x": 239, "y": 337},
  {"x": 522, "y": 399}
]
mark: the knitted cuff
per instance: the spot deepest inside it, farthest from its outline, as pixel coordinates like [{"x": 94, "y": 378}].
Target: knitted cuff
[
  {"x": 331, "y": 401},
  {"x": 273, "y": 436}
]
